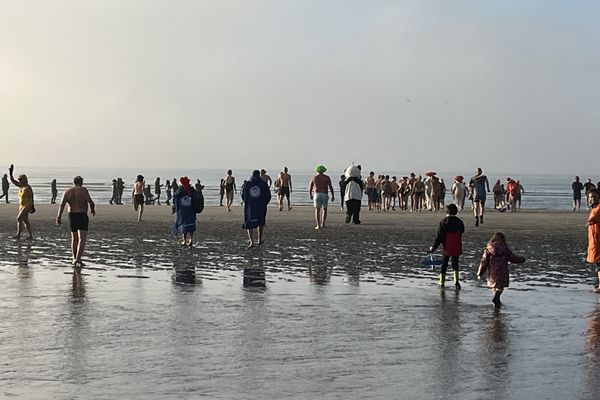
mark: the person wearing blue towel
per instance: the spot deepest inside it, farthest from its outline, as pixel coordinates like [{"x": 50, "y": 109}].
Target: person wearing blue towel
[
  {"x": 183, "y": 206},
  {"x": 256, "y": 196}
]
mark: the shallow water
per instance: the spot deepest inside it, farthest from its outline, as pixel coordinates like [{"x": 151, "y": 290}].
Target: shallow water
[{"x": 298, "y": 318}]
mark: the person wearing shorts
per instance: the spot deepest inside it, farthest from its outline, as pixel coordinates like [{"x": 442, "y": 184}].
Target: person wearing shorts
[
  {"x": 77, "y": 198},
  {"x": 319, "y": 185},
  {"x": 478, "y": 185},
  {"x": 138, "y": 196}
]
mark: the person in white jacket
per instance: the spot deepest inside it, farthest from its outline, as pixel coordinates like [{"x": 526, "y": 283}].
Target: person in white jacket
[{"x": 353, "y": 194}]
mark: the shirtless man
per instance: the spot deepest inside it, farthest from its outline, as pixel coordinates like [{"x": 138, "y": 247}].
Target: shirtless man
[
  {"x": 230, "y": 188},
  {"x": 266, "y": 178},
  {"x": 78, "y": 198},
  {"x": 370, "y": 187},
  {"x": 137, "y": 196},
  {"x": 318, "y": 193},
  {"x": 395, "y": 194},
  {"x": 285, "y": 188}
]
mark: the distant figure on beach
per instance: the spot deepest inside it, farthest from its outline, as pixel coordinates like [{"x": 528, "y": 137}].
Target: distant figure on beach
[
  {"x": 168, "y": 192},
  {"x": 174, "y": 186},
  {"x": 5, "y": 187},
  {"x": 478, "y": 185},
  {"x": 137, "y": 196},
  {"x": 370, "y": 187},
  {"x": 353, "y": 194},
  {"x": 53, "y": 191},
  {"x": 26, "y": 204},
  {"x": 418, "y": 194},
  {"x": 459, "y": 192},
  {"x": 512, "y": 192},
  {"x": 230, "y": 188},
  {"x": 387, "y": 192},
  {"x": 115, "y": 192},
  {"x": 520, "y": 192},
  {"x": 157, "y": 190},
  {"x": 256, "y": 196},
  {"x": 284, "y": 185},
  {"x": 148, "y": 195},
  {"x": 221, "y": 192},
  {"x": 498, "y": 190},
  {"x": 342, "y": 185},
  {"x": 577, "y": 187},
  {"x": 449, "y": 235},
  {"x": 198, "y": 186},
  {"x": 319, "y": 184},
  {"x": 587, "y": 187},
  {"x": 183, "y": 207},
  {"x": 121, "y": 188},
  {"x": 77, "y": 198},
  {"x": 593, "y": 228},
  {"x": 395, "y": 193},
  {"x": 495, "y": 259},
  {"x": 266, "y": 178}
]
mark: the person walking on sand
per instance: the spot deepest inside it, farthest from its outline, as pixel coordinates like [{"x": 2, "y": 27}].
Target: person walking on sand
[
  {"x": 77, "y": 198},
  {"x": 577, "y": 187},
  {"x": 183, "y": 207},
  {"x": 520, "y": 192},
  {"x": 459, "y": 192},
  {"x": 495, "y": 259},
  {"x": 53, "y": 191},
  {"x": 121, "y": 188},
  {"x": 478, "y": 185},
  {"x": 5, "y": 187},
  {"x": 370, "y": 187},
  {"x": 256, "y": 197},
  {"x": 512, "y": 192},
  {"x": 449, "y": 235},
  {"x": 168, "y": 192},
  {"x": 593, "y": 232},
  {"x": 26, "y": 203},
  {"x": 230, "y": 188},
  {"x": 266, "y": 178},
  {"x": 342, "y": 185},
  {"x": 285, "y": 188},
  {"x": 353, "y": 194},
  {"x": 157, "y": 190},
  {"x": 137, "y": 196},
  {"x": 319, "y": 184}
]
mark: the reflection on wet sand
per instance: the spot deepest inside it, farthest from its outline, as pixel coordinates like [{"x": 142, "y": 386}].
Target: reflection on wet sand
[
  {"x": 254, "y": 273},
  {"x": 320, "y": 274},
  {"x": 593, "y": 350},
  {"x": 496, "y": 353}
]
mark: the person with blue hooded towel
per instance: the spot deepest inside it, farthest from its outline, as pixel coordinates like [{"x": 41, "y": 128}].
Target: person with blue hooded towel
[
  {"x": 183, "y": 207},
  {"x": 256, "y": 196}
]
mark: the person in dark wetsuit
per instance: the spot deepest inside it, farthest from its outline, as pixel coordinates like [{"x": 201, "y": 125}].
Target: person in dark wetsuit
[
  {"x": 342, "y": 184},
  {"x": 449, "y": 235},
  {"x": 577, "y": 188},
  {"x": 54, "y": 191},
  {"x": 157, "y": 190}
]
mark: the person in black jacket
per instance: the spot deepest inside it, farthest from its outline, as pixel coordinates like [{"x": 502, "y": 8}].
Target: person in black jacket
[{"x": 449, "y": 235}]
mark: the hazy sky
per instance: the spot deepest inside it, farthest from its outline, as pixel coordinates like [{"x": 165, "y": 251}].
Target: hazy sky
[{"x": 402, "y": 85}]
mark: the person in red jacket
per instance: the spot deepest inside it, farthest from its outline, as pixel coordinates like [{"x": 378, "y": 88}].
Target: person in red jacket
[
  {"x": 449, "y": 235},
  {"x": 593, "y": 226}
]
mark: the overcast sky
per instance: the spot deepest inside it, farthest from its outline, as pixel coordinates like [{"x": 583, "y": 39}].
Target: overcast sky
[{"x": 403, "y": 85}]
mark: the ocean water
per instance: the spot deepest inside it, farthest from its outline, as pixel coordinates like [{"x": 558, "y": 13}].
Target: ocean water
[{"x": 541, "y": 191}]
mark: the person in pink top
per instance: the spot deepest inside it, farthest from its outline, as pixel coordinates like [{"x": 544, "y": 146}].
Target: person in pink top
[
  {"x": 319, "y": 185},
  {"x": 512, "y": 192}
]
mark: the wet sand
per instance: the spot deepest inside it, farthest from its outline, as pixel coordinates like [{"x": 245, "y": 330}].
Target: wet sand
[{"x": 346, "y": 312}]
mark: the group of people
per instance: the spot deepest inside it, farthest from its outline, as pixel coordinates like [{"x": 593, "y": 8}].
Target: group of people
[{"x": 578, "y": 187}]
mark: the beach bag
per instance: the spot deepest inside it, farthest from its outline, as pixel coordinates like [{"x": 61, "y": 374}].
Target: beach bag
[{"x": 197, "y": 201}]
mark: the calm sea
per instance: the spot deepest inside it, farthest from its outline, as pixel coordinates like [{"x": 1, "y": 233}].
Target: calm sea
[{"x": 541, "y": 191}]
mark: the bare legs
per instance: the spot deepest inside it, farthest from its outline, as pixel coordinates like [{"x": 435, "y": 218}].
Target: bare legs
[
  {"x": 23, "y": 221},
  {"x": 78, "y": 239},
  {"x": 320, "y": 217},
  {"x": 478, "y": 208},
  {"x": 188, "y": 239},
  {"x": 260, "y": 239},
  {"x": 140, "y": 210},
  {"x": 229, "y": 200}
]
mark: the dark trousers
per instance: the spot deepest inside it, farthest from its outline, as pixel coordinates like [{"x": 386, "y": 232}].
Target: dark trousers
[
  {"x": 353, "y": 210},
  {"x": 444, "y": 266},
  {"x": 5, "y": 195}
]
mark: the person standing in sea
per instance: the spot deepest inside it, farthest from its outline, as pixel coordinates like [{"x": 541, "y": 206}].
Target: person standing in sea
[
  {"x": 478, "y": 185},
  {"x": 577, "y": 187},
  {"x": 77, "y": 198},
  {"x": 5, "y": 187},
  {"x": 593, "y": 228},
  {"x": 137, "y": 196},
  {"x": 256, "y": 197},
  {"x": 26, "y": 203},
  {"x": 53, "y": 191},
  {"x": 318, "y": 193}
]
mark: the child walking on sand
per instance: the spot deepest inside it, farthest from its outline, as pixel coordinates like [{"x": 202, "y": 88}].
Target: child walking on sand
[
  {"x": 449, "y": 235},
  {"x": 495, "y": 259}
]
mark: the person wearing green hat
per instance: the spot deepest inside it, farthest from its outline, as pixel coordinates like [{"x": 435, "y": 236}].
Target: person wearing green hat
[{"x": 319, "y": 185}]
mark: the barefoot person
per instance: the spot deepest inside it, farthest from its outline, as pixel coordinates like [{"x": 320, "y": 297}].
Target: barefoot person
[
  {"x": 256, "y": 196},
  {"x": 230, "y": 188},
  {"x": 319, "y": 184},
  {"x": 78, "y": 198},
  {"x": 478, "y": 185},
  {"x": 593, "y": 228},
  {"x": 285, "y": 188},
  {"x": 183, "y": 207},
  {"x": 26, "y": 205},
  {"x": 577, "y": 187},
  {"x": 138, "y": 196},
  {"x": 5, "y": 187}
]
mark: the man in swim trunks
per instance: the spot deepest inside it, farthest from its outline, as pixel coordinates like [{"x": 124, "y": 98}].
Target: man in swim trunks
[
  {"x": 137, "y": 196},
  {"x": 478, "y": 185},
  {"x": 318, "y": 193},
  {"x": 285, "y": 188},
  {"x": 78, "y": 198},
  {"x": 577, "y": 188},
  {"x": 370, "y": 187}
]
